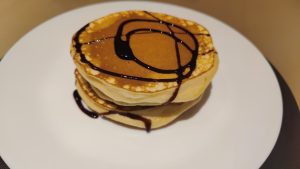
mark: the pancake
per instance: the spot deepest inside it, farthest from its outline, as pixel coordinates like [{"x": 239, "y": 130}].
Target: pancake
[
  {"x": 157, "y": 116},
  {"x": 151, "y": 73},
  {"x": 140, "y": 68}
]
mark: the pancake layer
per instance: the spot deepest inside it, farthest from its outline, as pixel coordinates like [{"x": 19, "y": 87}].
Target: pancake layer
[{"x": 158, "y": 116}]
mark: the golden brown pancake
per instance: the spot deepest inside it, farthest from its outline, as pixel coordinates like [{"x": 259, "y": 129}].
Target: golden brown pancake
[
  {"x": 142, "y": 59},
  {"x": 158, "y": 116}
]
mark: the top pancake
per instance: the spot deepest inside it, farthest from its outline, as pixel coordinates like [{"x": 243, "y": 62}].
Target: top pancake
[{"x": 95, "y": 54}]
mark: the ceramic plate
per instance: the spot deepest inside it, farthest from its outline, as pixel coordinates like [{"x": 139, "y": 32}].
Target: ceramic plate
[{"x": 236, "y": 126}]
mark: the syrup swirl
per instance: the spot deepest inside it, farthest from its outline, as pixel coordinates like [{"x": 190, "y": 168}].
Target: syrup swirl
[{"x": 124, "y": 51}]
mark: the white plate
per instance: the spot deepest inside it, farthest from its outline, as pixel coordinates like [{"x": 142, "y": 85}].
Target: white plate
[{"x": 42, "y": 128}]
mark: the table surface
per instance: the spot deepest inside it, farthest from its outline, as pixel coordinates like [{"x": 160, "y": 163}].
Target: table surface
[{"x": 18, "y": 17}]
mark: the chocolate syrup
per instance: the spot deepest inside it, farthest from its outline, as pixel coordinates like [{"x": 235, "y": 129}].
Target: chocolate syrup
[
  {"x": 123, "y": 51},
  {"x": 95, "y": 115},
  {"x": 78, "y": 100}
]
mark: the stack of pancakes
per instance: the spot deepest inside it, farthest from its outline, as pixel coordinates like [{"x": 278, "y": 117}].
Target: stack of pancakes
[{"x": 142, "y": 69}]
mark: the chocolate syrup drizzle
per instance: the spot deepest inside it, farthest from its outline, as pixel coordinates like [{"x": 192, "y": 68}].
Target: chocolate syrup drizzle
[
  {"x": 95, "y": 115},
  {"x": 123, "y": 51},
  {"x": 78, "y": 100}
]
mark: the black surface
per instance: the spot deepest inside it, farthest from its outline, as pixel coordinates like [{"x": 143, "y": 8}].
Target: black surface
[
  {"x": 286, "y": 153},
  {"x": 3, "y": 165}
]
